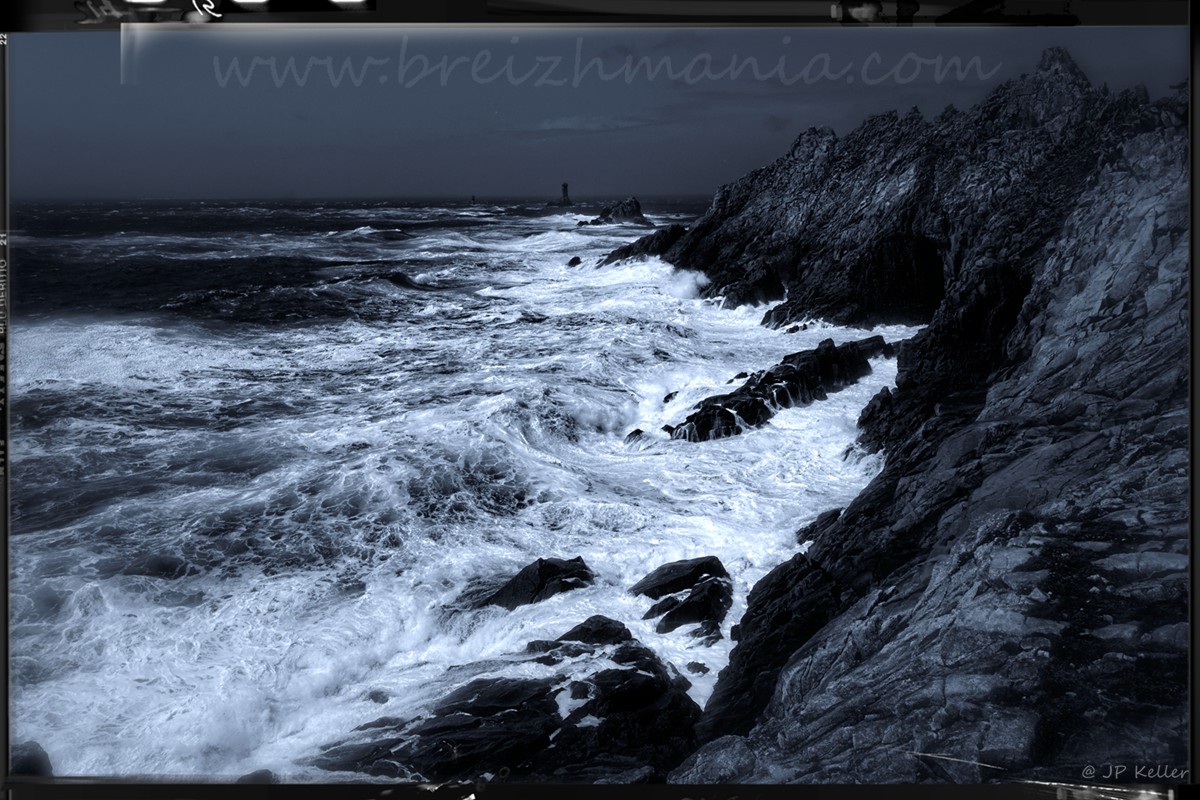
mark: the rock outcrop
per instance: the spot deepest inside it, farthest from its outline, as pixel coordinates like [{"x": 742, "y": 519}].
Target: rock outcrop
[
  {"x": 1007, "y": 600},
  {"x": 679, "y": 576},
  {"x": 627, "y": 719},
  {"x": 691, "y": 591},
  {"x": 799, "y": 379},
  {"x": 654, "y": 244},
  {"x": 628, "y": 211}
]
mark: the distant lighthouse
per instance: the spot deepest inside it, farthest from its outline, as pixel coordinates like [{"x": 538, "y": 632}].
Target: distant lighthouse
[{"x": 565, "y": 200}]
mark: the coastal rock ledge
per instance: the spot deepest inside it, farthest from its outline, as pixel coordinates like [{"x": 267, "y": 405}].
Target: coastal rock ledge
[{"x": 1007, "y": 599}]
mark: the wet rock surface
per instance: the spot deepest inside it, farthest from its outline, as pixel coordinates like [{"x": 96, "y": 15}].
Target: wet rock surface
[
  {"x": 708, "y": 602},
  {"x": 620, "y": 715},
  {"x": 29, "y": 759},
  {"x": 626, "y": 211},
  {"x": 1010, "y": 590},
  {"x": 799, "y": 379},
  {"x": 262, "y": 776},
  {"x": 678, "y": 576},
  {"x": 689, "y": 591},
  {"x": 654, "y": 244},
  {"x": 543, "y": 578}
]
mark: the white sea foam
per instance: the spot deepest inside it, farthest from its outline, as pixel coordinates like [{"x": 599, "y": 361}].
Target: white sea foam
[{"x": 338, "y": 486}]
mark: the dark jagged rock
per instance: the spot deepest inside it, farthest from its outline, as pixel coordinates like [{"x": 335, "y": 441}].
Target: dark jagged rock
[
  {"x": 597, "y": 630},
  {"x": 628, "y": 210},
  {"x": 661, "y": 607},
  {"x": 708, "y": 632},
  {"x": 630, "y": 723},
  {"x": 799, "y": 379},
  {"x": 709, "y": 594},
  {"x": 707, "y": 602},
  {"x": 773, "y": 627},
  {"x": 575, "y": 261},
  {"x": 679, "y": 576},
  {"x": 873, "y": 226},
  {"x": 556, "y": 652},
  {"x": 261, "y": 776},
  {"x": 669, "y": 396},
  {"x": 484, "y": 726},
  {"x": 652, "y": 244},
  {"x": 634, "y": 435},
  {"x": 28, "y": 758},
  {"x": 543, "y": 578},
  {"x": 1011, "y": 589}
]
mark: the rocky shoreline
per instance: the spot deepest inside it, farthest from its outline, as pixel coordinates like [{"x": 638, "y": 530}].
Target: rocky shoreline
[
  {"x": 603, "y": 708},
  {"x": 1007, "y": 600}
]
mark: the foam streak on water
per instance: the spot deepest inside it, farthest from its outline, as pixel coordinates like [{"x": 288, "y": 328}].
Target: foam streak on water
[{"x": 336, "y": 455}]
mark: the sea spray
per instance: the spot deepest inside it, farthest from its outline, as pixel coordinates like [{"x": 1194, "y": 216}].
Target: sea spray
[{"x": 336, "y": 461}]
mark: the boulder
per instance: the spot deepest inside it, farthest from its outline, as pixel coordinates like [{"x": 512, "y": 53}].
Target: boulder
[
  {"x": 543, "y": 578},
  {"x": 597, "y": 630},
  {"x": 707, "y": 602},
  {"x": 28, "y": 758},
  {"x": 678, "y": 576}
]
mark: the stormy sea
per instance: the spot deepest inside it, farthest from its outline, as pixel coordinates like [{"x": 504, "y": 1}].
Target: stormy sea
[{"x": 266, "y": 458}]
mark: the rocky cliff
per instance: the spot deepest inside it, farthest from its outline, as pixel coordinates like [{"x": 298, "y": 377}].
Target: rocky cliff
[{"x": 1007, "y": 600}]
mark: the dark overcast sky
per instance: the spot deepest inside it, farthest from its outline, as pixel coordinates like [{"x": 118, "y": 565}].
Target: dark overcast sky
[{"x": 77, "y": 132}]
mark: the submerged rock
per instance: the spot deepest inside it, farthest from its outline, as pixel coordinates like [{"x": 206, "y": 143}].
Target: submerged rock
[{"x": 543, "y": 578}]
